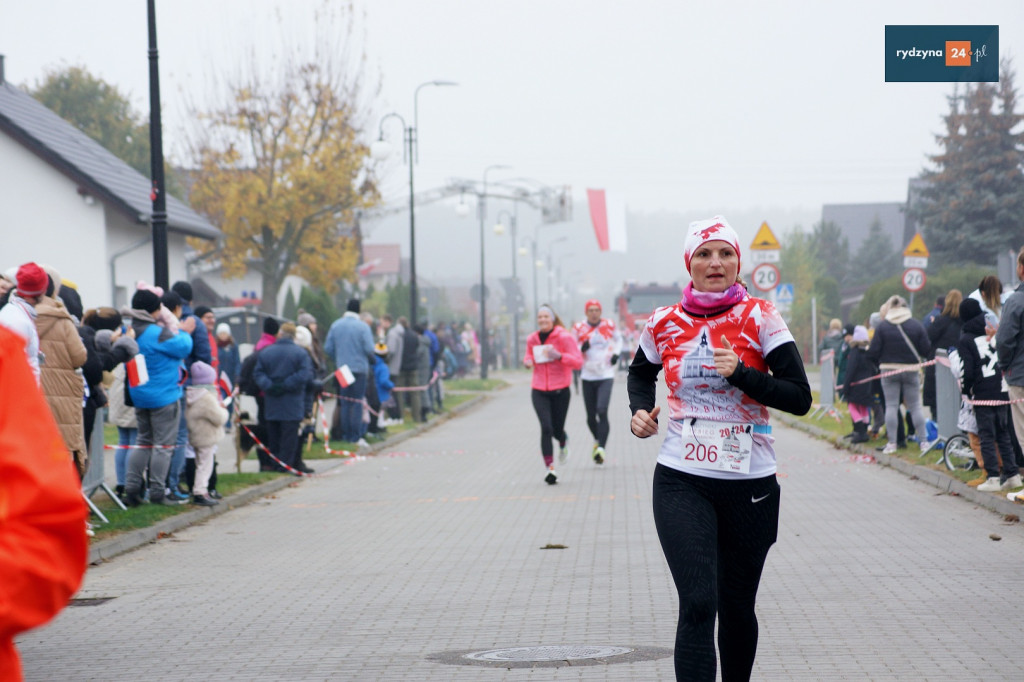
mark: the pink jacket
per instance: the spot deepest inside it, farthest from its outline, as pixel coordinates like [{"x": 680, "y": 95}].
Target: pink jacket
[{"x": 552, "y": 376}]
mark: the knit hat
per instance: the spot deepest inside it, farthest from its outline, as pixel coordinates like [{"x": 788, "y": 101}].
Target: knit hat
[
  {"x": 202, "y": 373},
  {"x": 303, "y": 337},
  {"x": 32, "y": 280},
  {"x": 353, "y": 306},
  {"x": 969, "y": 309},
  {"x": 223, "y": 328},
  {"x": 381, "y": 348},
  {"x": 591, "y": 302},
  {"x": 305, "y": 319},
  {"x": 702, "y": 231},
  {"x": 144, "y": 299},
  {"x": 171, "y": 300},
  {"x": 860, "y": 333},
  {"x": 849, "y": 329},
  {"x": 103, "y": 340},
  {"x": 183, "y": 289},
  {"x": 270, "y": 326},
  {"x": 202, "y": 310}
]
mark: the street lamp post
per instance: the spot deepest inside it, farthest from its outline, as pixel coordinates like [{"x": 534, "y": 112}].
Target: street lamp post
[
  {"x": 380, "y": 149},
  {"x": 161, "y": 275},
  {"x": 483, "y": 287},
  {"x": 515, "y": 280}
]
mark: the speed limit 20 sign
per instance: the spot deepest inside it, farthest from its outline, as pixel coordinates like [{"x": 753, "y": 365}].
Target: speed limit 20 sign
[
  {"x": 913, "y": 279},
  {"x": 766, "y": 276}
]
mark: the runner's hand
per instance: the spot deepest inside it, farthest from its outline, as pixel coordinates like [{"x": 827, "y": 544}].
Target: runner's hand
[
  {"x": 726, "y": 359},
  {"x": 644, "y": 424},
  {"x": 554, "y": 354}
]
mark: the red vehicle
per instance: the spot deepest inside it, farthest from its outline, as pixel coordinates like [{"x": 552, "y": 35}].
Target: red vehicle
[{"x": 637, "y": 301}]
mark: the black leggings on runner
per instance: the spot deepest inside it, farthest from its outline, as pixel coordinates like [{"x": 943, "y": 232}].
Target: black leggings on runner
[
  {"x": 596, "y": 396},
  {"x": 716, "y": 535},
  {"x": 551, "y": 408}
]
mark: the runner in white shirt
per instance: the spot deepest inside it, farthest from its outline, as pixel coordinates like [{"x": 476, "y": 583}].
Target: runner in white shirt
[
  {"x": 600, "y": 343},
  {"x": 728, "y": 357}
]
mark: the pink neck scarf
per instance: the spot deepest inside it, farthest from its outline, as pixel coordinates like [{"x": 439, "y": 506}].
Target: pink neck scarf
[{"x": 709, "y": 302}]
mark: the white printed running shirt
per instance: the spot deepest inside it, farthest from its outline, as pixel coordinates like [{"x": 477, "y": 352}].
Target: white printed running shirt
[
  {"x": 605, "y": 342},
  {"x": 684, "y": 345}
]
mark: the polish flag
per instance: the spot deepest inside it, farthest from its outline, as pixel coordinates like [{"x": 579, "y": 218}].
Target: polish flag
[
  {"x": 366, "y": 268},
  {"x": 344, "y": 376},
  {"x": 608, "y": 214},
  {"x": 137, "y": 372}
]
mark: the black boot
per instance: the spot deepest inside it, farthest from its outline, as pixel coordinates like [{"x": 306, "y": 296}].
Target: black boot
[{"x": 860, "y": 433}]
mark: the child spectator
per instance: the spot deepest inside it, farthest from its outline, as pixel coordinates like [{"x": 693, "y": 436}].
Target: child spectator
[
  {"x": 858, "y": 395},
  {"x": 205, "y": 417}
]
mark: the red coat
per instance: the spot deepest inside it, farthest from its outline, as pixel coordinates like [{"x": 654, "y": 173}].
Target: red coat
[
  {"x": 552, "y": 376},
  {"x": 43, "y": 547}
]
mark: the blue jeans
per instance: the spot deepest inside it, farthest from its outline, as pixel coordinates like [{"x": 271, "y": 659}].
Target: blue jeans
[
  {"x": 125, "y": 439},
  {"x": 351, "y": 407},
  {"x": 178, "y": 458}
]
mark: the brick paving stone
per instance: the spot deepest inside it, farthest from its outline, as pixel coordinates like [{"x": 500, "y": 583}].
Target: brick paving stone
[{"x": 435, "y": 546}]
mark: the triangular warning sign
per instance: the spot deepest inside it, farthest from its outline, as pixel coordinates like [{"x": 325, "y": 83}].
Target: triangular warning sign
[
  {"x": 765, "y": 239},
  {"x": 916, "y": 247}
]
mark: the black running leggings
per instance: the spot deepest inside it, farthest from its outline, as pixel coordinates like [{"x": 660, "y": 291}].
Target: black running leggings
[
  {"x": 551, "y": 408},
  {"x": 596, "y": 396},
  {"x": 716, "y": 535}
]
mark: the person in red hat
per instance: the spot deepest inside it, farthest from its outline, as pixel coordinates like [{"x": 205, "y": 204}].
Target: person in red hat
[
  {"x": 43, "y": 548},
  {"x": 600, "y": 344},
  {"x": 19, "y": 315}
]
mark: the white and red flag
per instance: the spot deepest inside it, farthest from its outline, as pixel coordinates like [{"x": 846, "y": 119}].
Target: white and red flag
[
  {"x": 136, "y": 370},
  {"x": 344, "y": 376},
  {"x": 608, "y": 214}
]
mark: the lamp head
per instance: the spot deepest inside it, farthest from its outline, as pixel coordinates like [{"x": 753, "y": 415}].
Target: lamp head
[{"x": 380, "y": 149}]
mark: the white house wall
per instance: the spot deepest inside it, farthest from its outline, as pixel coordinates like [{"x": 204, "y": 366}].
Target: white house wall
[{"x": 43, "y": 218}]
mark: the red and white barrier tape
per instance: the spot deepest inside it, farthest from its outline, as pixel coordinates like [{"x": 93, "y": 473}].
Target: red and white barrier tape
[
  {"x": 139, "y": 447},
  {"x": 327, "y": 433},
  {"x": 259, "y": 444},
  {"x": 891, "y": 373}
]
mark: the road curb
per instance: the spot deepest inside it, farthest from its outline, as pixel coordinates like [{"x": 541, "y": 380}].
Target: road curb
[
  {"x": 937, "y": 479},
  {"x": 105, "y": 550}
]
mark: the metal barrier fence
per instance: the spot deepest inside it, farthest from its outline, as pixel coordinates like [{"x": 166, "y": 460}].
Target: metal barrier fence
[
  {"x": 827, "y": 394},
  {"x": 95, "y": 475},
  {"x": 947, "y": 397}
]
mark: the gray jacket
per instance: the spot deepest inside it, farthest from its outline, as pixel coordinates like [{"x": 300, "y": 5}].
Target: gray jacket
[{"x": 1009, "y": 344}]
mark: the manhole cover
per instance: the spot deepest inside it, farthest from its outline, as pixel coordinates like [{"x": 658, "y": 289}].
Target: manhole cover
[
  {"x": 551, "y": 656},
  {"x": 548, "y": 653}
]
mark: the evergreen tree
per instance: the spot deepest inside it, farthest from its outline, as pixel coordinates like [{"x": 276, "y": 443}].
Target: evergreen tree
[
  {"x": 973, "y": 206},
  {"x": 833, "y": 250},
  {"x": 317, "y": 303},
  {"x": 876, "y": 258}
]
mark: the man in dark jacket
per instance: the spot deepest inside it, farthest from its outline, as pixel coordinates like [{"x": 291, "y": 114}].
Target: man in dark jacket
[
  {"x": 408, "y": 376},
  {"x": 284, "y": 371},
  {"x": 981, "y": 381},
  {"x": 1010, "y": 347}
]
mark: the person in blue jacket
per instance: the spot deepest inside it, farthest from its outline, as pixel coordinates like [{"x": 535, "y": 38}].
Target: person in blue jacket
[
  {"x": 157, "y": 398},
  {"x": 284, "y": 372}
]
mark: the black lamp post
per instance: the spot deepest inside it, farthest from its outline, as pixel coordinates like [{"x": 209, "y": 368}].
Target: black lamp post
[
  {"x": 483, "y": 287},
  {"x": 161, "y": 275},
  {"x": 380, "y": 149},
  {"x": 515, "y": 279}
]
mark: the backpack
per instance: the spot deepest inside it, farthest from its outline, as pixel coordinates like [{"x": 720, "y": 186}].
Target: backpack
[{"x": 246, "y": 376}]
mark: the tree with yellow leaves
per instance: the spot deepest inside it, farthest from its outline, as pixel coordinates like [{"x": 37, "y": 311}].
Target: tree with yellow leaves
[{"x": 282, "y": 170}]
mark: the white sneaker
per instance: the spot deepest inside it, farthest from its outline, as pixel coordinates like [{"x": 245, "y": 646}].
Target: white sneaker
[
  {"x": 1013, "y": 482},
  {"x": 992, "y": 485},
  {"x": 1016, "y": 497},
  {"x": 552, "y": 477},
  {"x": 563, "y": 453},
  {"x": 362, "y": 443},
  {"x": 889, "y": 449},
  {"x": 927, "y": 445}
]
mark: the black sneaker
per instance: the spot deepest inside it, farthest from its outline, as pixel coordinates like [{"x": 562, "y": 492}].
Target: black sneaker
[
  {"x": 204, "y": 501},
  {"x": 598, "y": 455},
  {"x": 552, "y": 477},
  {"x": 215, "y": 495}
]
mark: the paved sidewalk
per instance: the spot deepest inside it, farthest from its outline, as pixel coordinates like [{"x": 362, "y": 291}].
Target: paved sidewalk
[{"x": 435, "y": 546}]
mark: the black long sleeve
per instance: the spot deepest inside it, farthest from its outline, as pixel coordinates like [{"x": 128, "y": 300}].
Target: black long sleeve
[
  {"x": 786, "y": 388},
  {"x": 642, "y": 382}
]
